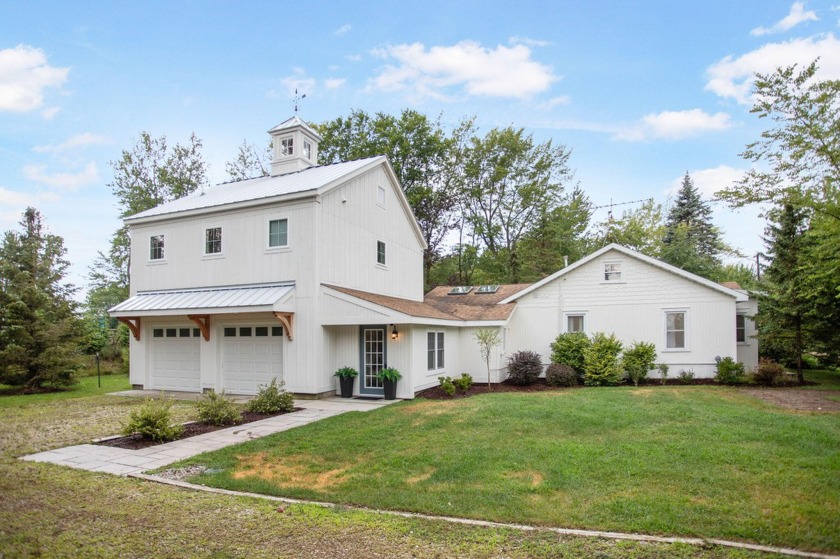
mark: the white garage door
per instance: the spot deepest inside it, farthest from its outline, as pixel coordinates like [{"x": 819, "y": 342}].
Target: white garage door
[
  {"x": 175, "y": 359},
  {"x": 251, "y": 356}
]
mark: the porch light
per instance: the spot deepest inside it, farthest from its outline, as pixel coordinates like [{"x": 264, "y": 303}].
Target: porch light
[{"x": 394, "y": 333}]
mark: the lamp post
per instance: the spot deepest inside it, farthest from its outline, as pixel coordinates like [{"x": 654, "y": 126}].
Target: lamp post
[{"x": 98, "y": 373}]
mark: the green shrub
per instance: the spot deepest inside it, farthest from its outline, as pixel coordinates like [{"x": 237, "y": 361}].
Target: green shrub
[
  {"x": 686, "y": 377},
  {"x": 600, "y": 361},
  {"x": 447, "y": 385},
  {"x": 663, "y": 372},
  {"x": 568, "y": 349},
  {"x": 153, "y": 420},
  {"x": 272, "y": 398},
  {"x": 346, "y": 372},
  {"x": 217, "y": 409},
  {"x": 728, "y": 371},
  {"x": 560, "y": 375},
  {"x": 389, "y": 373},
  {"x": 524, "y": 367},
  {"x": 463, "y": 383},
  {"x": 767, "y": 372},
  {"x": 638, "y": 360}
]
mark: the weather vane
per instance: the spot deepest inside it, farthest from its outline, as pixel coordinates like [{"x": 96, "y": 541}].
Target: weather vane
[{"x": 297, "y": 99}]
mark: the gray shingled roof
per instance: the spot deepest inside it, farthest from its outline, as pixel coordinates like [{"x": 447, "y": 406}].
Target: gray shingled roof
[{"x": 247, "y": 190}]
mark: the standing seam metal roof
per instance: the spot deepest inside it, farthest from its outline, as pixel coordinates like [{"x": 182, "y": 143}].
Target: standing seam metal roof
[{"x": 204, "y": 298}]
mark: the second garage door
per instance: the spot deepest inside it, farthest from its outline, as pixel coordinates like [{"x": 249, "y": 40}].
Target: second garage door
[
  {"x": 251, "y": 356},
  {"x": 175, "y": 359}
]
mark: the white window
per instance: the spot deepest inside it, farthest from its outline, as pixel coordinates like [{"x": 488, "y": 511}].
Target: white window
[
  {"x": 307, "y": 150},
  {"x": 574, "y": 323},
  {"x": 741, "y": 328},
  {"x": 287, "y": 146},
  {"x": 612, "y": 271},
  {"x": 278, "y": 233},
  {"x": 156, "y": 247},
  {"x": 675, "y": 330},
  {"x": 213, "y": 240},
  {"x": 380, "y": 196},
  {"x": 380, "y": 253},
  {"x": 434, "y": 350}
]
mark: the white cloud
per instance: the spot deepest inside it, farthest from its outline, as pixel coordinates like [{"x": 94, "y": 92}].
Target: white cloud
[
  {"x": 24, "y": 74},
  {"x": 516, "y": 40},
  {"x": 80, "y": 140},
  {"x": 796, "y": 16},
  {"x": 733, "y": 77},
  {"x": 675, "y": 125},
  {"x": 555, "y": 102},
  {"x": 500, "y": 72},
  {"x": 709, "y": 181},
  {"x": 67, "y": 181},
  {"x": 343, "y": 30},
  {"x": 23, "y": 199},
  {"x": 334, "y": 83},
  {"x": 299, "y": 81}
]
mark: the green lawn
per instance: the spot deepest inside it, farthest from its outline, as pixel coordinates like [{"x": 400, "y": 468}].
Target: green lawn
[
  {"x": 694, "y": 461},
  {"x": 828, "y": 380},
  {"x": 51, "y": 511}
]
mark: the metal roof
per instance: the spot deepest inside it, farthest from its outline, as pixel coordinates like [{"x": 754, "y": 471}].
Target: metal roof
[
  {"x": 310, "y": 179},
  {"x": 293, "y": 123},
  {"x": 248, "y": 297}
]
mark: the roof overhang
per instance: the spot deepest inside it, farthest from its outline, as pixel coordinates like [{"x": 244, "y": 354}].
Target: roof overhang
[
  {"x": 275, "y": 297},
  {"x": 380, "y": 314}
]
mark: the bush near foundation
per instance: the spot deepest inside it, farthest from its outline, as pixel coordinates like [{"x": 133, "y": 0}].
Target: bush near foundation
[
  {"x": 561, "y": 375},
  {"x": 218, "y": 409},
  {"x": 272, "y": 398},
  {"x": 524, "y": 367},
  {"x": 601, "y": 366},
  {"x": 153, "y": 420}
]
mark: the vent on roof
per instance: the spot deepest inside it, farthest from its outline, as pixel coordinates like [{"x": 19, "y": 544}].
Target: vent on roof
[
  {"x": 487, "y": 289},
  {"x": 460, "y": 290}
]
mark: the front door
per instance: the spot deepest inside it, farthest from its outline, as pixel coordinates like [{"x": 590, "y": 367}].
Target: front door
[{"x": 373, "y": 358}]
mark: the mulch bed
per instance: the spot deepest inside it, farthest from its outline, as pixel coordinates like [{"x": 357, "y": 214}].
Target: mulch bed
[{"x": 136, "y": 442}]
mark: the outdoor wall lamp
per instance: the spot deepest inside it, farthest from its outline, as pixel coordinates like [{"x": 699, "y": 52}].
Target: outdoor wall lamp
[{"x": 394, "y": 333}]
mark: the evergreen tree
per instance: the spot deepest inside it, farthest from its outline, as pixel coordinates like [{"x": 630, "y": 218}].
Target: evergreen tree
[
  {"x": 691, "y": 241},
  {"x": 783, "y": 326},
  {"x": 38, "y": 327}
]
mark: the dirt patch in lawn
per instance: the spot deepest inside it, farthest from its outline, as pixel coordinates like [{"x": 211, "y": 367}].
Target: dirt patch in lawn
[
  {"x": 136, "y": 442},
  {"x": 799, "y": 400},
  {"x": 287, "y": 472}
]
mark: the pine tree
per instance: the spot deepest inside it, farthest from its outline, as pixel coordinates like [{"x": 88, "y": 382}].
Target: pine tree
[
  {"x": 783, "y": 326},
  {"x": 691, "y": 241},
  {"x": 38, "y": 327}
]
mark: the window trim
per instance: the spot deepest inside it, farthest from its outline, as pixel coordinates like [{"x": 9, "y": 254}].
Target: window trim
[
  {"x": 568, "y": 315},
  {"x": 381, "y": 203},
  {"x": 267, "y": 237},
  {"x": 620, "y": 272},
  {"x": 221, "y": 252},
  {"x": 438, "y": 351},
  {"x": 307, "y": 149},
  {"x": 686, "y": 340},
  {"x": 162, "y": 258},
  {"x": 291, "y": 140},
  {"x": 383, "y": 263},
  {"x": 746, "y": 340}
]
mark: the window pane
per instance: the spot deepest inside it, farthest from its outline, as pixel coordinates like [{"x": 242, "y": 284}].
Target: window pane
[
  {"x": 277, "y": 233},
  {"x": 171, "y": 333},
  {"x": 740, "y": 328},
  {"x": 184, "y": 332},
  {"x": 245, "y": 331},
  {"x": 157, "y": 333},
  {"x": 261, "y": 331},
  {"x": 230, "y": 332},
  {"x": 440, "y": 350},
  {"x": 213, "y": 240},
  {"x": 156, "y": 247},
  {"x": 380, "y": 252},
  {"x": 675, "y": 329},
  {"x": 196, "y": 332},
  {"x": 276, "y": 330},
  {"x": 574, "y": 323}
]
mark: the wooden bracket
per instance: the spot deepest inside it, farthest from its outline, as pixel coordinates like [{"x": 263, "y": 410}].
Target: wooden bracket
[
  {"x": 133, "y": 324},
  {"x": 286, "y": 318},
  {"x": 203, "y": 323}
]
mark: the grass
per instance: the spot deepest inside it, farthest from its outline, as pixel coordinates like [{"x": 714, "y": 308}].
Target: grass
[
  {"x": 827, "y": 379},
  {"x": 52, "y": 511},
  {"x": 694, "y": 461}
]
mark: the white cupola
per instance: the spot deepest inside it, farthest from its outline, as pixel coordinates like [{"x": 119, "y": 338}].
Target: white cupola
[{"x": 294, "y": 147}]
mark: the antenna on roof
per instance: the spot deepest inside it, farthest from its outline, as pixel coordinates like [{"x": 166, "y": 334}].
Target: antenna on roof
[{"x": 297, "y": 99}]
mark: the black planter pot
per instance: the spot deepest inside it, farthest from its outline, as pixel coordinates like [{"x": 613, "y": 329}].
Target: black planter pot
[
  {"x": 346, "y": 386},
  {"x": 390, "y": 389}
]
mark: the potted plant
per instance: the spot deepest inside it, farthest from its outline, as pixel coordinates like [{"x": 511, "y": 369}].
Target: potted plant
[
  {"x": 346, "y": 376},
  {"x": 389, "y": 377}
]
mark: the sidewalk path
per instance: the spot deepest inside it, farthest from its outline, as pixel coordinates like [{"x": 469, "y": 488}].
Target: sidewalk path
[{"x": 120, "y": 461}]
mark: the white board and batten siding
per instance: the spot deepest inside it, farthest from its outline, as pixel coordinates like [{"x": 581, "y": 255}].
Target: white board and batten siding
[{"x": 633, "y": 308}]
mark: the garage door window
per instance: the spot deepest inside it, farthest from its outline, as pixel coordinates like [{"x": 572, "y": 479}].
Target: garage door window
[
  {"x": 245, "y": 331},
  {"x": 261, "y": 331},
  {"x": 253, "y": 331}
]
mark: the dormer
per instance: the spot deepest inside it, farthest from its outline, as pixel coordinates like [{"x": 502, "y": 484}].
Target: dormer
[{"x": 294, "y": 147}]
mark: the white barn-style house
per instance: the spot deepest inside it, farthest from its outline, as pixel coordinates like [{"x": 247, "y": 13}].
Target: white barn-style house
[{"x": 313, "y": 268}]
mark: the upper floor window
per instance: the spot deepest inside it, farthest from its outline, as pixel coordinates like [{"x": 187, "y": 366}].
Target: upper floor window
[
  {"x": 434, "y": 350},
  {"x": 740, "y": 328},
  {"x": 287, "y": 146},
  {"x": 380, "y": 252},
  {"x": 612, "y": 271},
  {"x": 278, "y": 233},
  {"x": 156, "y": 247},
  {"x": 574, "y": 323},
  {"x": 307, "y": 150},
  {"x": 213, "y": 240},
  {"x": 380, "y": 195},
  {"x": 675, "y": 330}
]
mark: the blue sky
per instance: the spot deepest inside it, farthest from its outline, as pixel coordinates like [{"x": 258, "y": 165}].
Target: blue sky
[{"x": 641, "y": 91}]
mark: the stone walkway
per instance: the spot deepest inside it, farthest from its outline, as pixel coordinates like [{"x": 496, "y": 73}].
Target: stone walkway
[{"x": 120, "y": 461}]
